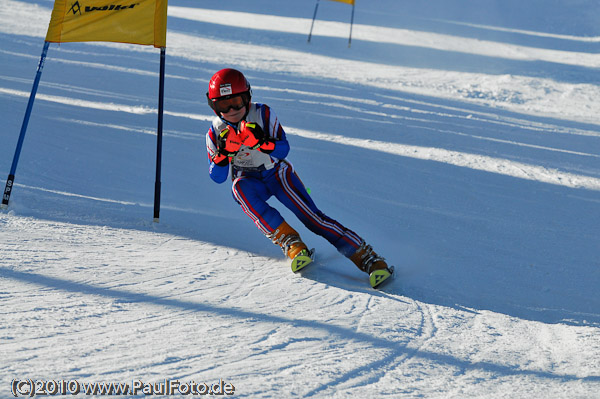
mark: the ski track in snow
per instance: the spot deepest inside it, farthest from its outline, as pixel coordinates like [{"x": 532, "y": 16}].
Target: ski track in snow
[
  {"x": 497, "y": 272},
  {"x": 116, "y": 308},
  {"x": 109, "y": 302}
]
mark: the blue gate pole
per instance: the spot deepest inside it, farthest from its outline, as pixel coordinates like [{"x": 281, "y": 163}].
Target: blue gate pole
[
  {"x": 351, "y": 23},
  {"x": 159, "y": 134},
  {"x": 11, "y": 176},
  {"x": 313, "y": 21}
]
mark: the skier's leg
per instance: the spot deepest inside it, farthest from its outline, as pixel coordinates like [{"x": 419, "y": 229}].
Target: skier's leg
[
  {"x": 289, "y": 189},
  {"x": 293, "y": 195},
  {"x": 252, "y": 195}
]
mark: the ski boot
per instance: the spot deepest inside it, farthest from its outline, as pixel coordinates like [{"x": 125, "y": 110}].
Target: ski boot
[
  {"x": 292, "y": 246},
  {"x": 374, "y": 265}
]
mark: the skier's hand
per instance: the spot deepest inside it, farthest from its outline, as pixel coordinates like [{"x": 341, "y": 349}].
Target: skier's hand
[
  {"x": 254, "y": 136},
  {"x": 229, "y": 142},
  {"x": 220, "y": 160},
  {"x": 268, "y": 146}
]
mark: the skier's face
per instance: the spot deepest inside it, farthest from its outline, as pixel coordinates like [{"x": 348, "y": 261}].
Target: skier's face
[{"x": 234, "y": 115}]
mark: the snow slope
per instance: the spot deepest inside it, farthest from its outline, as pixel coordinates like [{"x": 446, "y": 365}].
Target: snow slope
[{"x": 460, "y": 138}]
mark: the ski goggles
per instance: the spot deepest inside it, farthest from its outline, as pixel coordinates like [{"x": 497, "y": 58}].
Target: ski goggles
[{"x": 235, "y": 102}]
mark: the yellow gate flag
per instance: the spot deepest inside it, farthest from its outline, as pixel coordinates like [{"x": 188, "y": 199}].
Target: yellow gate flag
[
  {"x": 123, "y": 21},
  {"x": 346, "y": 1}
]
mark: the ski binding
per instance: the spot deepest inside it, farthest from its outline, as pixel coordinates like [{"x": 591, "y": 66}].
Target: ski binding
[
  {"x": 378, "y": 277},
  {"x": 303, "y": 259}
]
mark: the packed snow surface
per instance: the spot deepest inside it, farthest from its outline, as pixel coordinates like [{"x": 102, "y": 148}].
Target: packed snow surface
[{"x": 460, "y": 139}]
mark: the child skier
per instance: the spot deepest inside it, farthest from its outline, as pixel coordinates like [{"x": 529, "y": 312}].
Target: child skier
[{"x": 247, "y": 139}]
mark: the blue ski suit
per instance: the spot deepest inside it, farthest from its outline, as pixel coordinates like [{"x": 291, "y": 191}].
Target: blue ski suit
[{"x": 258, "y": 176}]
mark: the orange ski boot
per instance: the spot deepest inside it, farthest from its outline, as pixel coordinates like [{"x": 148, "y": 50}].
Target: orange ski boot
[
  {"x": 292, "y": 246},
  {"x": 374, "y": 265}
]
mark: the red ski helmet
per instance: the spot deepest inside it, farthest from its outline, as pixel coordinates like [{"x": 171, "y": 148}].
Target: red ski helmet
[{"x": 225, "y": 84}]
